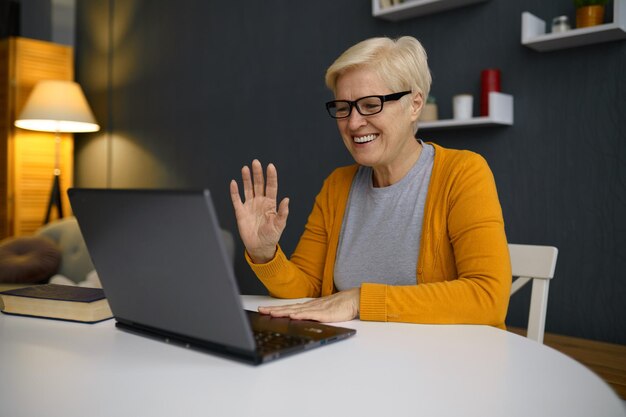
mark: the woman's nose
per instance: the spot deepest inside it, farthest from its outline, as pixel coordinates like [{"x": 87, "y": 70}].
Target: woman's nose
[{"x": 356, "y": 120}]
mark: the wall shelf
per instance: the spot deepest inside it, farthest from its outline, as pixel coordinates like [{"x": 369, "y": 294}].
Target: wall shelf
[
  {"x": 500, "y": 114},
  {"x": 414, "y": 8},
  {"x": 535, "y": 37}
]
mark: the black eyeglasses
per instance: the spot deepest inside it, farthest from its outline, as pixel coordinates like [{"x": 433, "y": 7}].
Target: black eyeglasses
[{"x": 366, "y": 106}]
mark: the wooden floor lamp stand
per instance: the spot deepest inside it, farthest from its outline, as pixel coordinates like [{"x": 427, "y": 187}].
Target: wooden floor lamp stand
[
  {"x": 55, "y": 194},
  {"x": 55, "y": 199}
]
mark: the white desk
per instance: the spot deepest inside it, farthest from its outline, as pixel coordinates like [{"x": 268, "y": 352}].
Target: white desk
[{"x": 53, "y": 368}]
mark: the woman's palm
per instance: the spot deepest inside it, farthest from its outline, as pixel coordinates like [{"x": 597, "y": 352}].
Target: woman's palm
[
  {"x": 259, "y": 220},
  {"x": 258, "y": 223}
]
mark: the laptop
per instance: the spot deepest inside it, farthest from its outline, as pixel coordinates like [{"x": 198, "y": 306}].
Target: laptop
[{"x": 163, "y": 265}]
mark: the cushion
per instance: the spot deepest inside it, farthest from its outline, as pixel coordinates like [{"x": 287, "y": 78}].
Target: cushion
[
  {"x": 75, "y": 261},
  {"x": 28, "y": 259}
]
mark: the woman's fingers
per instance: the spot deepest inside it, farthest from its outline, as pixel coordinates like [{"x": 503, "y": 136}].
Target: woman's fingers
[
  {"x": 271, "y": 188},
  {"x": 306, "y": 311},
  {"x": 283, "y": 212},
  {"x": 258, "y": 194},
  {"x": 341, "y": 306},
  {"x": 258, "y": 181},
  {"x": 247, "y": 183},
  {"x": 254, "y": 184},
  {"x": 234, "y": 195},
  {"x": 285, "y": 310}
]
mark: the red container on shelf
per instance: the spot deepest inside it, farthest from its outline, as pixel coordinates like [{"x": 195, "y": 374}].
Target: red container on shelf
[{"x": 489, "y": 82}]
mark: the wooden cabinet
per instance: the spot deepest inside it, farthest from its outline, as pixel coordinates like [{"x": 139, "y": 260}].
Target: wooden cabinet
[{"x": 27, "y": 157}]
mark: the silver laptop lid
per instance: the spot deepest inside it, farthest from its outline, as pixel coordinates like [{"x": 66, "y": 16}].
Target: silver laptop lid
[{"x": 162, "y": 262}]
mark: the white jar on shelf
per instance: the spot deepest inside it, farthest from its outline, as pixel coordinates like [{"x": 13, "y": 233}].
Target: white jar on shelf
[{"x": 560, "y": 24}]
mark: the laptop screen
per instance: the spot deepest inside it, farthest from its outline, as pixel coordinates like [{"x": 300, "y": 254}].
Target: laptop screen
[{"x": 163, "y": 248}]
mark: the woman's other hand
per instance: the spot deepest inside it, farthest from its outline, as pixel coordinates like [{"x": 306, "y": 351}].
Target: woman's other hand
[
  {"x": 259, "y": 220},
  {"x": 341, "y": 306}
]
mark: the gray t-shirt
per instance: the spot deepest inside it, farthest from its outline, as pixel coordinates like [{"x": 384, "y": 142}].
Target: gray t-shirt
[{"x": 382, "y": 227}]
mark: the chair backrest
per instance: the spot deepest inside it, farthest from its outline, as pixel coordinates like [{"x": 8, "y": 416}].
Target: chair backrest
[{"x": 536, "y": 263}]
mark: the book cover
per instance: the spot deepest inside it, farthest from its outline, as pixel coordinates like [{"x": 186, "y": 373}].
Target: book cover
[{"x": 63, "y": 302}]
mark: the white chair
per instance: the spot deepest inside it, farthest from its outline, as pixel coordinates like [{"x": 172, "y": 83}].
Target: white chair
[{"x": 537, "y": 263}]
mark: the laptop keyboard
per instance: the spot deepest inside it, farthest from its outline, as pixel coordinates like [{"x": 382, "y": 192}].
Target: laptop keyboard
[{"x": 272, "y": 341}]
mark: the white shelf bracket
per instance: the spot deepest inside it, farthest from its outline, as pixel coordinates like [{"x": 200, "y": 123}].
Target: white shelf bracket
[
  {"x": 532, "y": 26},
  {"x": 501, "y": 108},
  {"x": 619, "y": 14}
]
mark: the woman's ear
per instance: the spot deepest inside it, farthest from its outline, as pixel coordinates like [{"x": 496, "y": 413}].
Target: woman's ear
[{"x": 417, "y": 103}]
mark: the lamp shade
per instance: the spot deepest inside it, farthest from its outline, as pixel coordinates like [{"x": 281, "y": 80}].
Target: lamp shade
[{"x": 57, "y": 106}]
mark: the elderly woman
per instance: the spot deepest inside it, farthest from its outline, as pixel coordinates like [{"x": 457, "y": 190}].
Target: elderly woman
[{"x": 412, "y": 232}]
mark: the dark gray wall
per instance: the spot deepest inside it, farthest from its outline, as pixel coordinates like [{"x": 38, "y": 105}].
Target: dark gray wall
[
  {"x": 36, "y": 19},
  {"x": 189, "y": 92},
  {"x": 48, "y": 20}
]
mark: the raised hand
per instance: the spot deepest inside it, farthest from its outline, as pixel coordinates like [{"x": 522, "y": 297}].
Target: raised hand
[{"x": 260, "y": 221}]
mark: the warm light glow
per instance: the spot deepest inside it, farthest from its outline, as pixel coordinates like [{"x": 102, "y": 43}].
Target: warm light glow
[{"x": 57, "y": 106}]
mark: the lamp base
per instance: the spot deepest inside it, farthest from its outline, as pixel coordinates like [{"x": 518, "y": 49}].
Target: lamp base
[{"x": 55, "y": 199}]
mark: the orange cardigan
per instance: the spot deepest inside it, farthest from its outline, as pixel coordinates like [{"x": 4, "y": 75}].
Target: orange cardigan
[{"x": 463, "y": 268}]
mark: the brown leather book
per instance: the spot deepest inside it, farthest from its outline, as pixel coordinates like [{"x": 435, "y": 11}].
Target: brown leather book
[{"x": 61, "y": 302}]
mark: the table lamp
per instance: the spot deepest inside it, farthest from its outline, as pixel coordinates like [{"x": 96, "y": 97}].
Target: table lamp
[{"x": 59, "y": 107}]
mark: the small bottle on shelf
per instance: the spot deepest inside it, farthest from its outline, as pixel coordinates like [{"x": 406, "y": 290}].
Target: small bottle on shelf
[{"x": 560, "y": 24}]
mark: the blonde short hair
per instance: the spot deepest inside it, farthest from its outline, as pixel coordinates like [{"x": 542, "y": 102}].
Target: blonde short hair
[{"x": 401, "y": 63}]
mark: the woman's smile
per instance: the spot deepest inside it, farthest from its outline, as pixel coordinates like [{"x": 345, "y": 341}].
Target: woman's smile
[{"x": 365, "y": 138}]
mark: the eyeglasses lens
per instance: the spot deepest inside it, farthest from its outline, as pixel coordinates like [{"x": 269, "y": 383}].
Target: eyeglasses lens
[
  {"x": 369, "y": 105},
  {"x": 341, "y": 109},
  {"x": 366, "y": 106}
]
